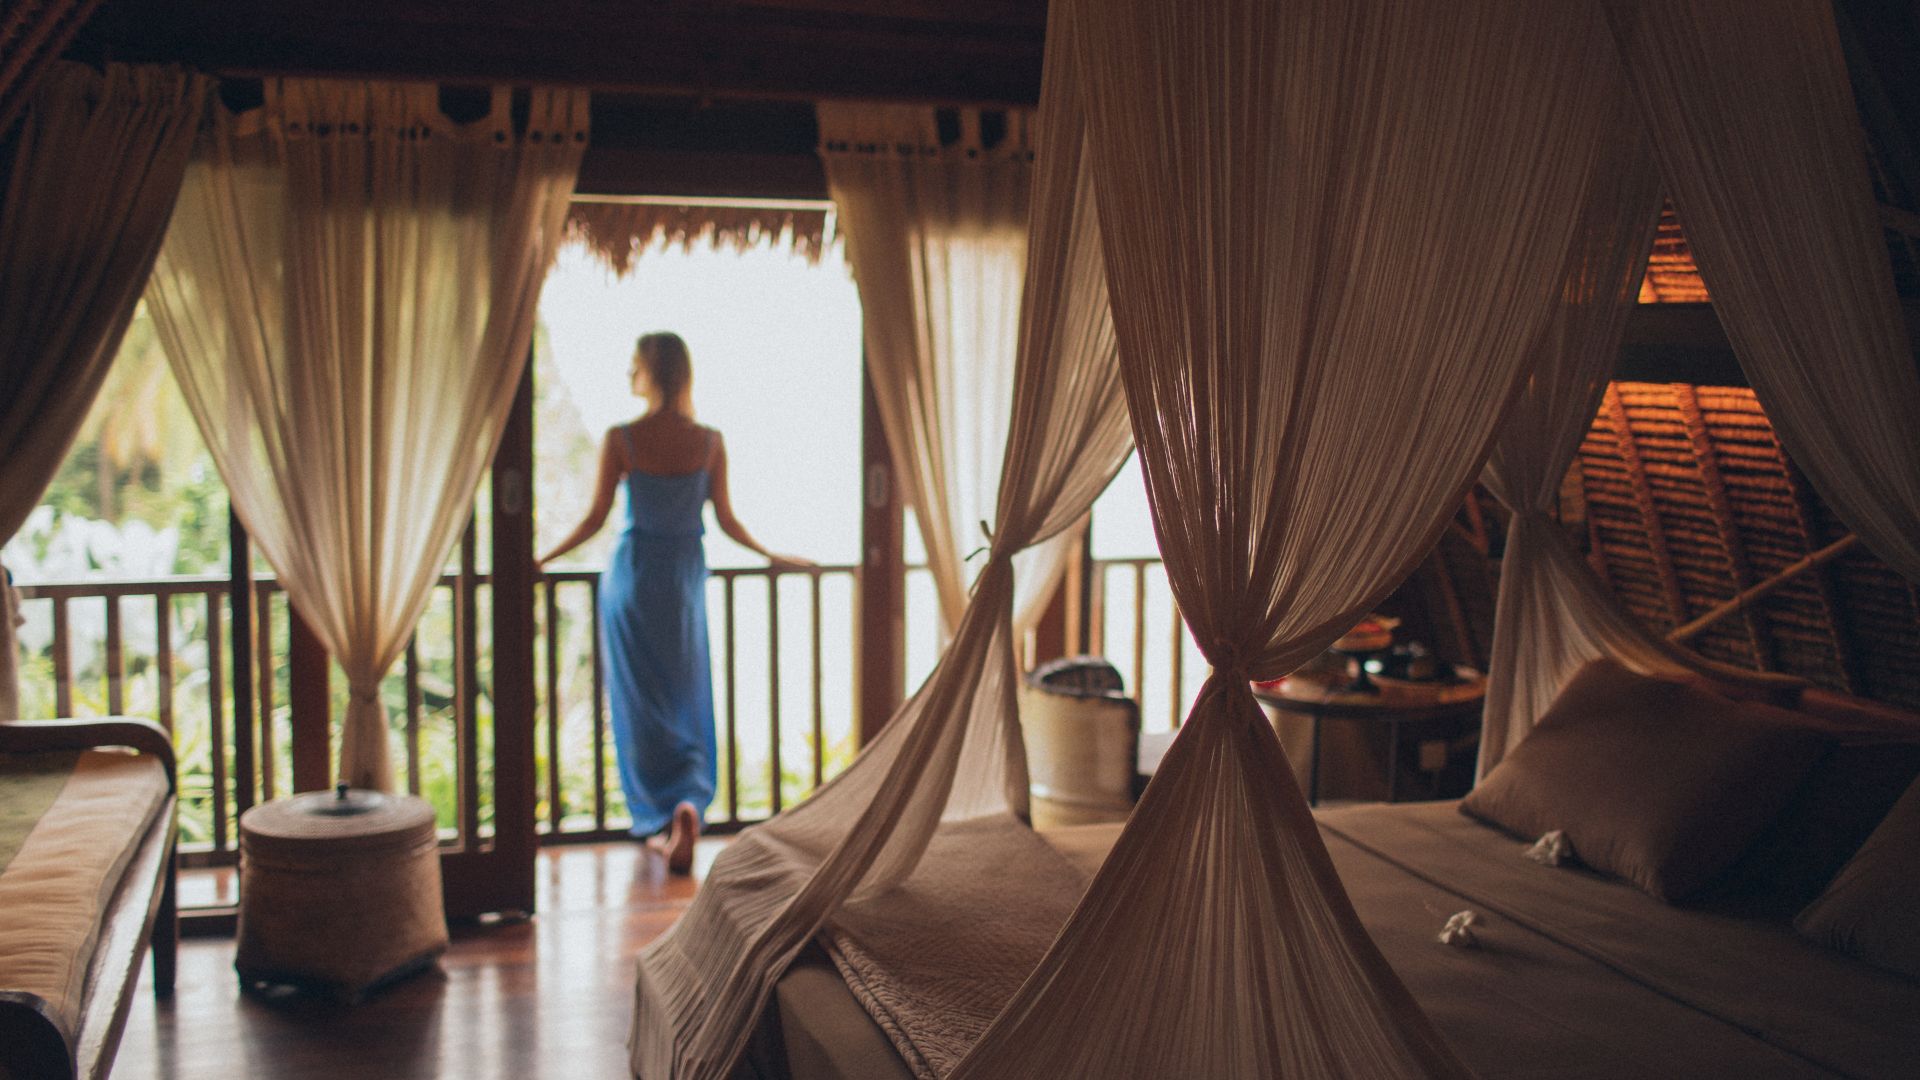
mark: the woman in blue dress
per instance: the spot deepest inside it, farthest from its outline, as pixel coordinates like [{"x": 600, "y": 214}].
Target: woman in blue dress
[{"x": 653, "y": 598}]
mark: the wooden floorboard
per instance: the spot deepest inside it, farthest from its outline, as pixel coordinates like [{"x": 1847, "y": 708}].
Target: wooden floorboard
[{"x": 544, "y": 999}]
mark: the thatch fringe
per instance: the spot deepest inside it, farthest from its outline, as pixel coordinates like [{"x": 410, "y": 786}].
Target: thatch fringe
[{"x": 617, "y": 232}]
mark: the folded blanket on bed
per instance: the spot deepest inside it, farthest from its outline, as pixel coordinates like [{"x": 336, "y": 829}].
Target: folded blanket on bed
[{"x": 927, "y": 966}]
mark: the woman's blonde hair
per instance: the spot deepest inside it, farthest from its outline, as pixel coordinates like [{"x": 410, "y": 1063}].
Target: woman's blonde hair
[{"x": 669, "y": 366}]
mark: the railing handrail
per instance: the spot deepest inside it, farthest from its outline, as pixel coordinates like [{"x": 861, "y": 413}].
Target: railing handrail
[{"x": 189, "y": 584}]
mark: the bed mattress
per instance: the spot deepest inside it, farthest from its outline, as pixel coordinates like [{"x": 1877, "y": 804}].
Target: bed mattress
[{"x": 1575, "y": 976}]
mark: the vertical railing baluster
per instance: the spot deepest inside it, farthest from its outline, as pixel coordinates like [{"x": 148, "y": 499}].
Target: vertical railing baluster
[
  {"x": 413, "y": 713},
  {"x": 1140, "y": 630},
  {"x": 216, "y": 710},
  {"x": 1177, "y": 678},
  {"x": 116, "y": 660},
  {"x": 819, "y": 710},
  {"x": 599, "y": 711},
  {"x": 733, "y": 709},
  {"x": 1097, "y": 610},
  {"x": 217, "y": 743},
  {"x": 163, "y": 658},
  {"x": 467, "y": 679},
  {"x": 62, "y": 660},
  {"x": 264, "y": 662},
  {"x": 773, "y": 683},
  {"x": 556, "y": 808}
]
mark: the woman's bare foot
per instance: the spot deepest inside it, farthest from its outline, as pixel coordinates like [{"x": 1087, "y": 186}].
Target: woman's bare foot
[{"x": 686, "y": 829}]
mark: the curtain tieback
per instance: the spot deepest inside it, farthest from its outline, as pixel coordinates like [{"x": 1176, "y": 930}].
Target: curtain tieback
[
  {"x": 360, "y": 693},
  {"x": 1229, "y": 673}
]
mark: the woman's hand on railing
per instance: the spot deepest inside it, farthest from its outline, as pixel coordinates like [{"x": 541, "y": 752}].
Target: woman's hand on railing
[{"x": 781, "y": 564}]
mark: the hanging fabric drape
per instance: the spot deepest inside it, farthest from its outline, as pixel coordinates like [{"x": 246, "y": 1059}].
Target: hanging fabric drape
[
  {"x": 952, "y": 753},
  {"x": 346, "y": 298},
  {"x": 33, "y": 33},
  {"x": 1753, "y": 123},
  {"x": 1553, "y": 615},
  {"x": 936, "y": 235},
  {"x": 90, "y": 180},
  {"x": 1333, "y": 230}
]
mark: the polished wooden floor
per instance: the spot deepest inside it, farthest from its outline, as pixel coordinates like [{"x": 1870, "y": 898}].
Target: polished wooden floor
[{"x": 546, "y": 999}]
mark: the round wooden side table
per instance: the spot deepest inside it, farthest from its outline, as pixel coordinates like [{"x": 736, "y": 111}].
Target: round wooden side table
[
  {"x": 339, "y": 892},
  {"x": 1324, "y": 695}
]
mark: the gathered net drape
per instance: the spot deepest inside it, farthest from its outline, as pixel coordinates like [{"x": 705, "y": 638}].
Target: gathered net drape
[
  {"x": 1333, "y": 231},
  {"x": 1753, "y": 123},
  {"x": 90, "y": 180},
  {"x": 952, "y": 753},
  {"x": 936, "y": 235},
  {"x": 1553, "y": 615},
  {"x": 346, "y": 298}
]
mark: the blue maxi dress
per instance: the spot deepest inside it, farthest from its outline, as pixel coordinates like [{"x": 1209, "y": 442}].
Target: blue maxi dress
[{"x": 653, "y": 614}]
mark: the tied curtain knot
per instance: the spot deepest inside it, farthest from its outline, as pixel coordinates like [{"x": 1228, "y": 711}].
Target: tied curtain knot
[
  {"x": 1228, "y": 659},
  {"x": 1229, "y": 680},
  {"x": 363, "y": 693}
]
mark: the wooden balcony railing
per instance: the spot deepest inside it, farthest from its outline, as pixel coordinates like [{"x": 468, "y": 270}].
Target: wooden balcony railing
[
  {"x": 1130, "y": 605},
  {"x": 783, "y": 652},
  {"x": 161, "y": 648},
  {"x": 773, "y": 750}
]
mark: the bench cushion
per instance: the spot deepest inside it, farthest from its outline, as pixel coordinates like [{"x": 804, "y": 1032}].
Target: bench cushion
[{"x": 69, "y": 824}]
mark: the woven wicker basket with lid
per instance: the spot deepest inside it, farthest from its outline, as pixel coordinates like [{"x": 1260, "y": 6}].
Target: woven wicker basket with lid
[{"x": 339, "y": 891}]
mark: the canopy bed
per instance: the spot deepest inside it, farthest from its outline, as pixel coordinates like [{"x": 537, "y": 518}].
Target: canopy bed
[{"x": 1298, "y": 210}]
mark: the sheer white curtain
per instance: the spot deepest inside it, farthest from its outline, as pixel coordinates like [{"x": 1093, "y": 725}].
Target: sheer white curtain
[
  {"x": 346, "y": 298},
  {"x": 936, "y": 234},
  {"x": 1753, "y": 123},
  {"x": 1333, "y": 231},
  {"x": 90, "y": 180},
  {"x": 953, "y": 752}
]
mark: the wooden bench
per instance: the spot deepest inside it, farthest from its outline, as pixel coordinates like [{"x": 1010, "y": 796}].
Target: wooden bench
[{"x": 36, "y": 1044}]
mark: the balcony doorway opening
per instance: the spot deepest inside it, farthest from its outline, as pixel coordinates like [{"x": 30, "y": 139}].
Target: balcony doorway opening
[{"x": 774, "y": 334}]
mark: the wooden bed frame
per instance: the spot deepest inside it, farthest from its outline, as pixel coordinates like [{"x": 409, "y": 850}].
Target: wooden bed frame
[{"x": 143, "y": 911}]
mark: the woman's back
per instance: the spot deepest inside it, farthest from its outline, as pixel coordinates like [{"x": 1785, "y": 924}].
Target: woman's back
[
  {"x": 667, "y": 443},
  {"x": 667, "y": 463}
]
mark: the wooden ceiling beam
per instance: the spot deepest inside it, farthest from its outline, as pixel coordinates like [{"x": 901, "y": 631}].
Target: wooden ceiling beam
[
  {"x": 932, "y": 51},
  {"x": 1684, "y": 343}
]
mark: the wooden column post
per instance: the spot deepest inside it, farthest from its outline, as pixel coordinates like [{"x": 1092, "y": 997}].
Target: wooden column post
[
  {"x": 512, "y": 678},
  {"x": 240, "y": 602},
  {"x": 310, "y": 703},
  {"x": 880, "y": 656}
]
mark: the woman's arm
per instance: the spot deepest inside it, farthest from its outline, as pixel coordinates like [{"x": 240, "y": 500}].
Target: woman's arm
[
  {"x": 729, "y": 524},
  {"x": 611, "y": 468}
]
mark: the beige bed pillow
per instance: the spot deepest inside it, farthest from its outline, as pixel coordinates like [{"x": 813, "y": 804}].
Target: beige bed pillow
[
  {"x": 1870, "y": 909},
  {"x": 1657, "y": 781}
]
